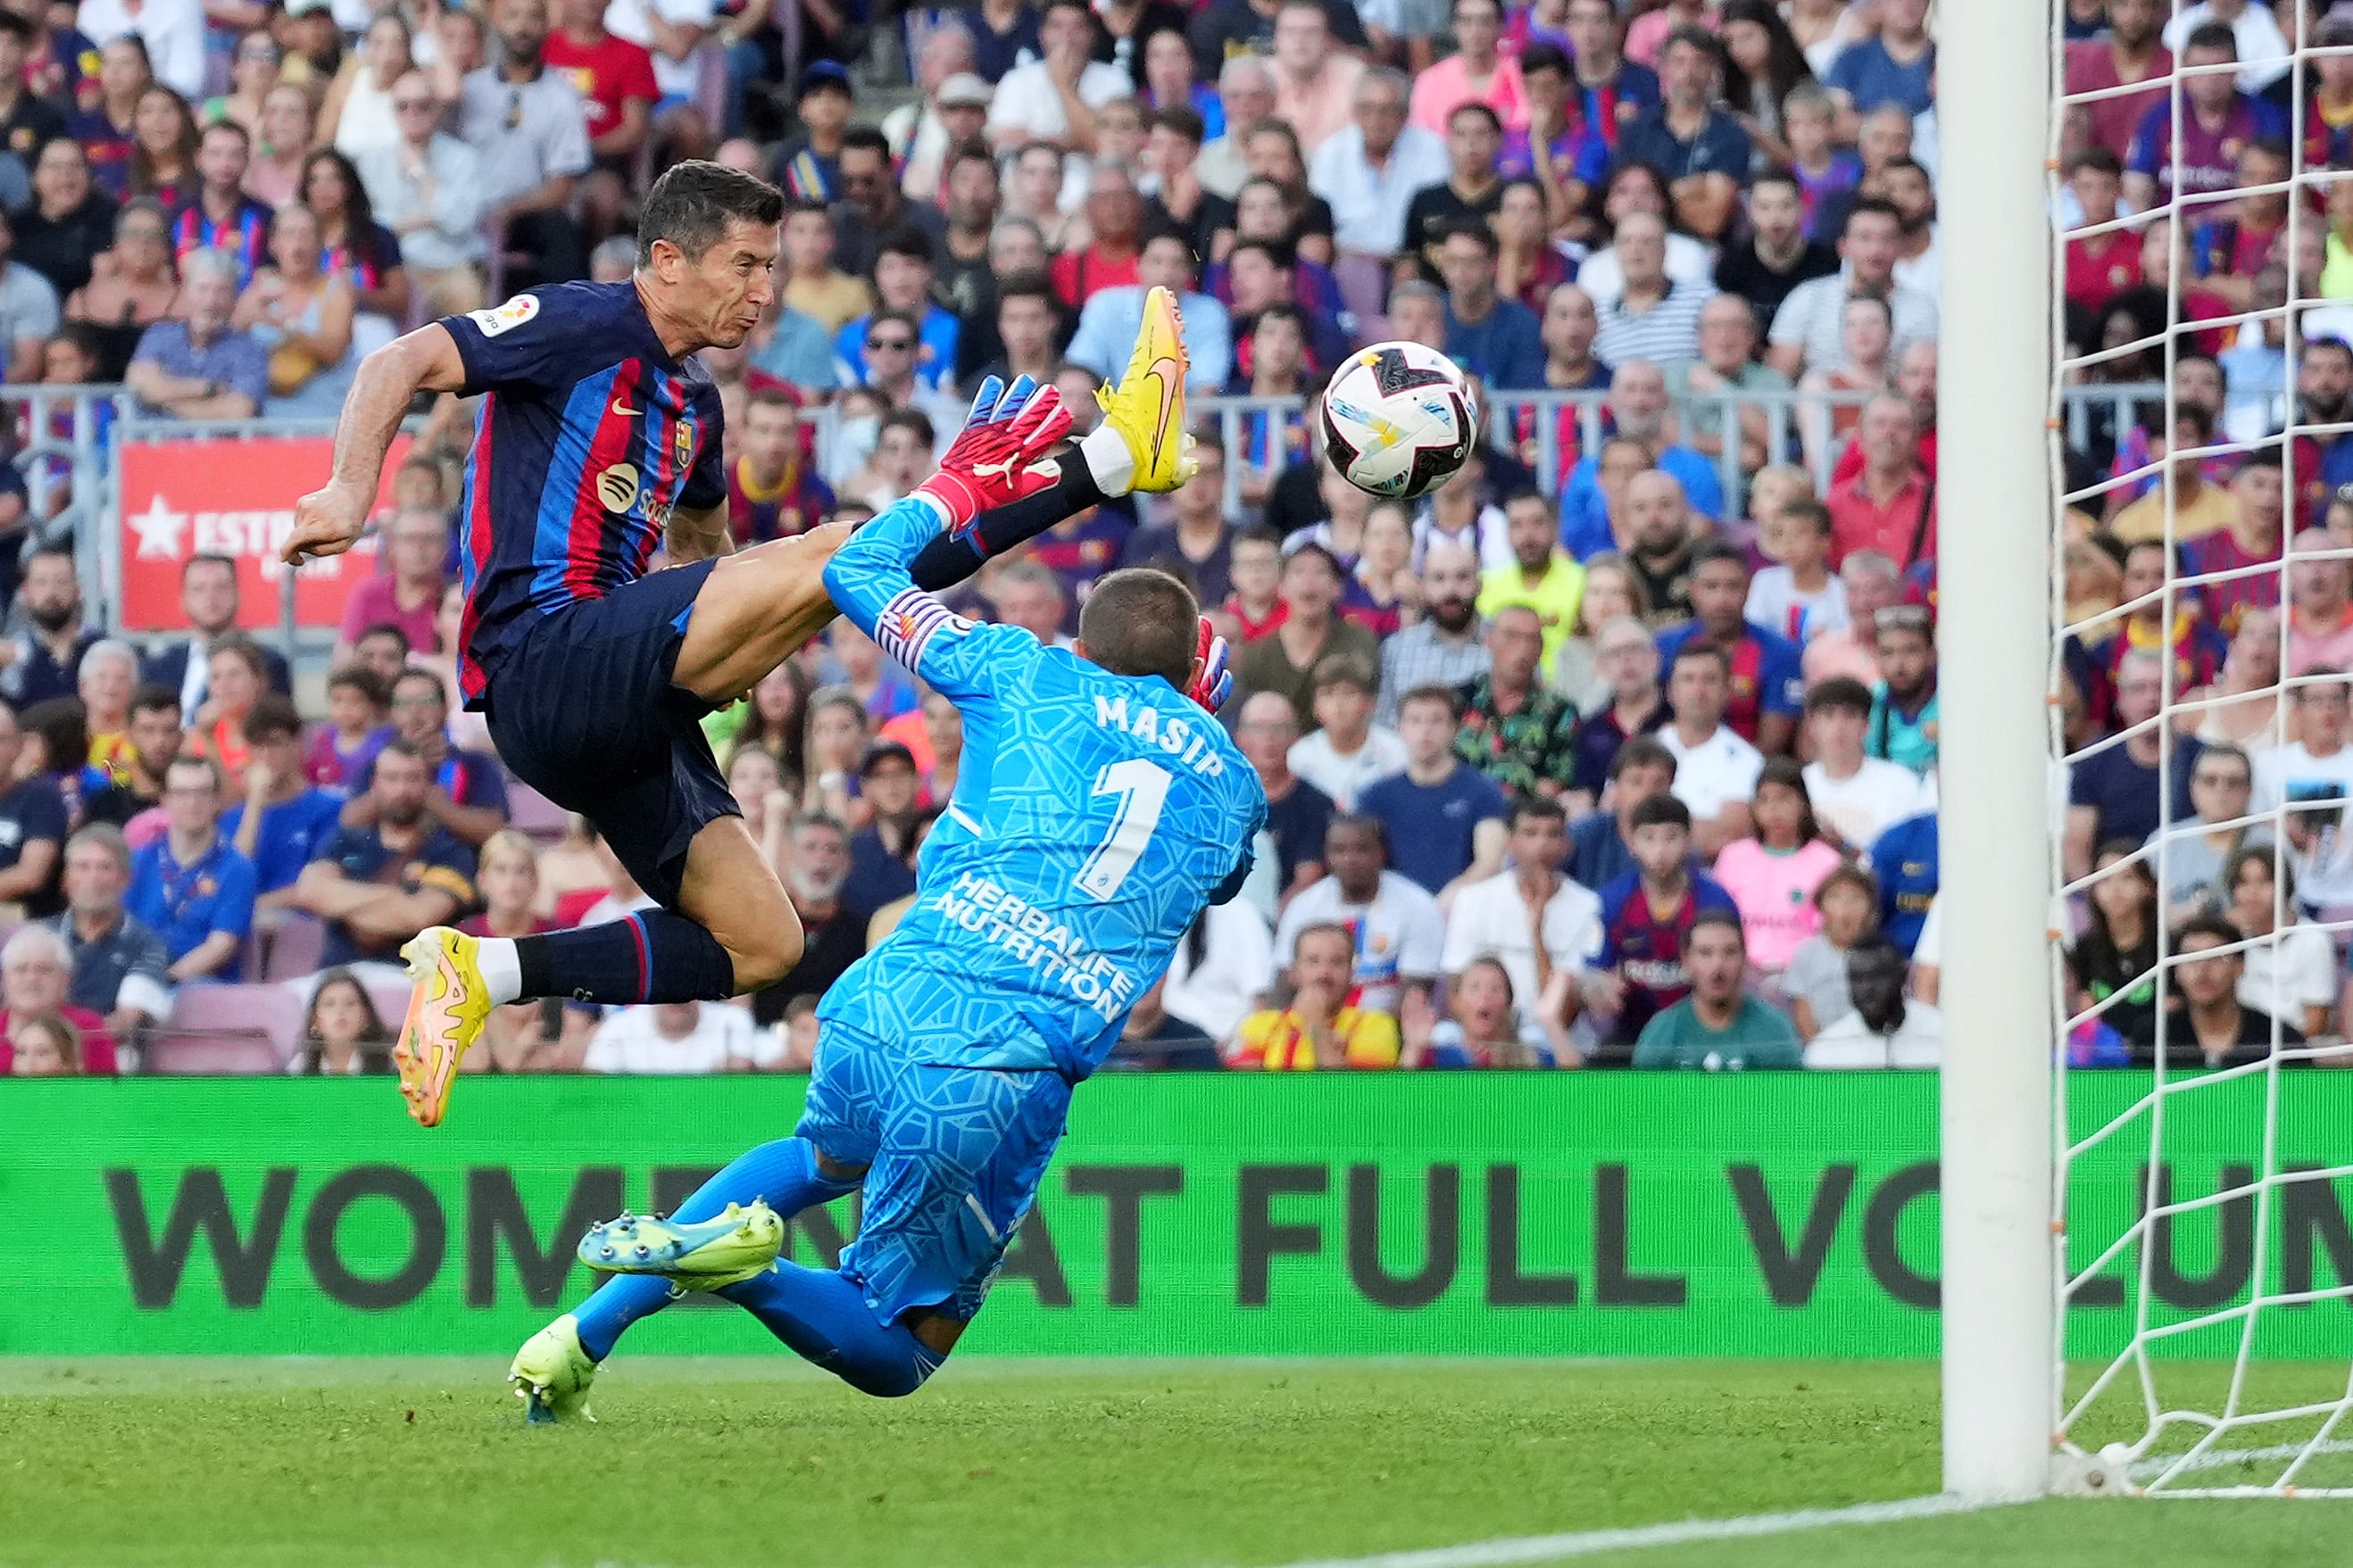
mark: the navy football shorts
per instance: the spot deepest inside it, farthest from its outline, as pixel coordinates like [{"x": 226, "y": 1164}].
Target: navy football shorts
[{"x": 583, "y": 710}]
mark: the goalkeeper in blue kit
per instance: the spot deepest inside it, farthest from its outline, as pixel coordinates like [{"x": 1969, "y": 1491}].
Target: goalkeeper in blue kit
[{"x": 1098, "y": 809}]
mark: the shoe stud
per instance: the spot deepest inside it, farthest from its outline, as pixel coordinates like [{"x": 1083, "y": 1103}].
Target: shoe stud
[
  {"x": 644, "y": 1251},
  {"x": 604, "y": 1252}
]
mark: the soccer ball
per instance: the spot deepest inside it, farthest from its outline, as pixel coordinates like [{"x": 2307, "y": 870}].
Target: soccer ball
[{"x": 1398, "y": 419}]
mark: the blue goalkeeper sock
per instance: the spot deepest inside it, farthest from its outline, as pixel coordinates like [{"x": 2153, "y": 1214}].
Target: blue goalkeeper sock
[
  {"x": 822, "y": 1315},
  {"x": 785, "y": 1172},
  {"x": 651, "y": 956}
]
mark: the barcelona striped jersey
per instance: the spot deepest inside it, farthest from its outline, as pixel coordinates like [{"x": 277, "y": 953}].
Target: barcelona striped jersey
[{"x": 590, "y": 435}]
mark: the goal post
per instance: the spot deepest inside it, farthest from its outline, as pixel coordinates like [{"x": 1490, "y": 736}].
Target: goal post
[{"x": 1995, "y": 65}]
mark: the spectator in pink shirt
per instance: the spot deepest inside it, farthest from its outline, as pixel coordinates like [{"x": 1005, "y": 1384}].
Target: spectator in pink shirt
[
  {"x": 2320, "y": 608},
  {"x": 408, "y": 592},
  {"x": 1772, "y": 874},
  {"x": 1475, "y": 73}
]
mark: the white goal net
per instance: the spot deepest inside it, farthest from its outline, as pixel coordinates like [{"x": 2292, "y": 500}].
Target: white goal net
[{"x": 2201, "y": 180}]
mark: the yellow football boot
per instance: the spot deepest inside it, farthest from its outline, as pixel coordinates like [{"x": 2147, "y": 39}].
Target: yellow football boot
[
  {"x": 1147, "y": 408},
  {"x": 448, "y": 1004}
]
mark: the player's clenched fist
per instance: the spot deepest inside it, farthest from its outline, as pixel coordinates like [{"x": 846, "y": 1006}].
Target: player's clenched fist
[
  {"x": 999, "y": 457},
  {"x": 326, "y": 522}
]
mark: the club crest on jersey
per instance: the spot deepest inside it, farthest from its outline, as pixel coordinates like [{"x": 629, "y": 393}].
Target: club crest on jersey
[
  {"x": 507, "y": 317},
  {"x": 683, "y": 438},
  {"x": 616, "y": 487}
]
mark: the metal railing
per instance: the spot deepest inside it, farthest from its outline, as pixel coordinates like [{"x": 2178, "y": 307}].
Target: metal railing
[{"x": 63, "y": 439}]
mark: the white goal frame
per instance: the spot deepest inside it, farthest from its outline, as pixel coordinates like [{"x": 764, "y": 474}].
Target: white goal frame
[{"x": 1997, "y": 452}]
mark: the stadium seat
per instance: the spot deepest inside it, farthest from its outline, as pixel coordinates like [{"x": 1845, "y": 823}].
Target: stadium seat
[
  {"x": 191, "y": 1052},
  {"x": 297, "y": 949},
  {"x": 388, "y": 989},
  {"x": 270, "y": 1013},
  {"x": 530, "y": 812}
]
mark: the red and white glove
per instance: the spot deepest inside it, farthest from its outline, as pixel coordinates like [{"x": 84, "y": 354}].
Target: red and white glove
[
  {"x": 1000, "y": 455},
  {"x": 1212, "y": 682}
]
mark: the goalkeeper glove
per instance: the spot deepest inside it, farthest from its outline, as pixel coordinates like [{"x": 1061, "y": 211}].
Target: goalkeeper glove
[
  {"x": 999, "y": 457},
  {"x": 1212, "y": 681}
]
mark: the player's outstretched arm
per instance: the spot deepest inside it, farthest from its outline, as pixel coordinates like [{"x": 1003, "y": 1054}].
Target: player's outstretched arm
[{"x": 329, "y": 519}]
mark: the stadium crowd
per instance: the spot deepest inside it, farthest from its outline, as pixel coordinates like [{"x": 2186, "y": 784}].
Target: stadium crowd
[{"x": 1618, "y": 748}]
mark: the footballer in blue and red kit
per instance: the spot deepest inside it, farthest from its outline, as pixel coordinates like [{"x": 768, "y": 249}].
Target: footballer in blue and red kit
[{"x": 1645, "y": 948}]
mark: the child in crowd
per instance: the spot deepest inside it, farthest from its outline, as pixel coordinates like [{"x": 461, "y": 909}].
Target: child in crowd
[
  {"x": 1825, "y": 171},
  {"x": 1644, "y": 915},
  {"x": 1815, "y": 977},
  {"x": 1801, "y": 598},
  {"x": 358, "y": 710},
  {"x": 1482, "y": 1029},
  {"x": 46, "y": 1047},
  {"x": 1773, "y": 874}
]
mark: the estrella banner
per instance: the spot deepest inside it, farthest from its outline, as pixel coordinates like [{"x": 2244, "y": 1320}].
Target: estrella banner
[
  {"x": 1497, "y": 1214},
  {"x": 233, "y": 495}
]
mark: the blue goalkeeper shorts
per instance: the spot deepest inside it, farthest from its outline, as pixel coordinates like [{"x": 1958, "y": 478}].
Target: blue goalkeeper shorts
[{"x": 953, "y": 1156}]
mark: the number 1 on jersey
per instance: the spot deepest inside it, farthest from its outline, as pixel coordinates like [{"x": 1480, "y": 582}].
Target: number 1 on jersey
[{"x": 1143, "y": 790}]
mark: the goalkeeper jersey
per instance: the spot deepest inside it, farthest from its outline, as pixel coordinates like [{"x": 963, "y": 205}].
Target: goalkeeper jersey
[{"x": 1094, "y": 815}]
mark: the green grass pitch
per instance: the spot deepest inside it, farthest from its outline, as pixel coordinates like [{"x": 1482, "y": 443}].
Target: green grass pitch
[{"x": 717, "y": 1463}]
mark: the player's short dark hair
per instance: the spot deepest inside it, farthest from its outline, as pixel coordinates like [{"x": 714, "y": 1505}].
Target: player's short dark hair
[
  {"x": 1139, "y": 621},
  {"x": 1660, "y": 810},
  {"x": 154, "y": 696},
  {"x": 909, "y": 241},
  {"x": 1776, "y": 175},
  {"x": 230, "y": 126},
  {"x": 1434, "y": 692},
  {"x": 272, "y": 716},
  {"x": 1706, "y": 919},
  {"x": 1642, "y": 751},
  {"x": 692, "y": 204},
  {"x": 1840, "y": 692}
]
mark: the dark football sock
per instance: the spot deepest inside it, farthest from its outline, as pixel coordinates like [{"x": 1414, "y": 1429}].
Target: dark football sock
[
  {"x": 651, "y": 956},
  {"x": 953, "y": 557}
]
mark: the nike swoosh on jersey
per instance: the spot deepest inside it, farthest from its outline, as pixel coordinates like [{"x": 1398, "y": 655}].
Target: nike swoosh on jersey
[{"x": 625, "y": 411}]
